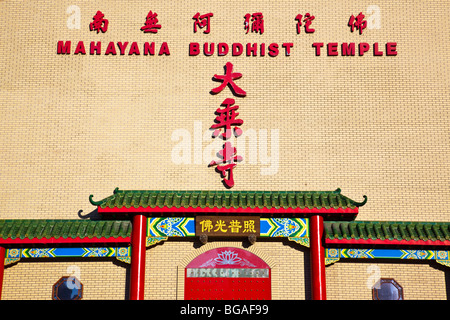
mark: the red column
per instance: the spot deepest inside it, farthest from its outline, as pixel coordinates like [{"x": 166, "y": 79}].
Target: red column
[
  {"x": 138, "y": 246},
  {"x": 318, "y": 286},
  {"x": 2, "y": 267}
]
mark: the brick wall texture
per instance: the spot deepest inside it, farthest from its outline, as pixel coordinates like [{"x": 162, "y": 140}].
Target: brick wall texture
[
  {"x": 165, "y": 263},
  {"x": 75, "y": 125}
]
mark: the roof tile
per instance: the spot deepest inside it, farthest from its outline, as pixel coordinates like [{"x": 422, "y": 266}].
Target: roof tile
[
  {"x": 38, "y": 229},
  {"x": 227, "y": 199}
]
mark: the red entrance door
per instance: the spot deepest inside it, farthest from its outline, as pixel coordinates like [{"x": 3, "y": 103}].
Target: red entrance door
[{"x": 228, "y": 274}]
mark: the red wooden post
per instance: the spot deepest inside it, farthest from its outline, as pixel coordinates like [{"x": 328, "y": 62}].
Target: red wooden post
[
  {"x": 138, "y": 246},
  {"x": 318, "y": 286},
  {"x": 2, "y": 267}
]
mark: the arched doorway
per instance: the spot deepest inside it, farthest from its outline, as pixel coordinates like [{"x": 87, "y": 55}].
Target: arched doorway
[{"x": 227, "y": 273}]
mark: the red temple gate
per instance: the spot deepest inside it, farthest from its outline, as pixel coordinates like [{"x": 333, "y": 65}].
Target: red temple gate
[{"x": 229, "y": 274}]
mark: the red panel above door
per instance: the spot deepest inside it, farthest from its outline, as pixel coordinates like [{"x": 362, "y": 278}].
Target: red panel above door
[{"x": 227, "y": 274}]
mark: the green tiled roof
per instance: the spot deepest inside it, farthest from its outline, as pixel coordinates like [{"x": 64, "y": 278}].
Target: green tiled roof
[
  {"x": 227, "y": 199},
  {"x": 374, "y": 230},
  {"x": 387, "y": 230},
  {"x": 38, "y": 229}
]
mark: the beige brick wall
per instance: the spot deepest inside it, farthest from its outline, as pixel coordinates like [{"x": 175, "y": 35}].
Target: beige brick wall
[
  {"x": 33, "y": 279},
  {"x": 107, "y": 279},
  {"x": 420, "y": 281},
  {"x": 164, "y": 279}
]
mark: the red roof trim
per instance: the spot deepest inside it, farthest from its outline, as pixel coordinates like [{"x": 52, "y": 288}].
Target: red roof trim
[
  {"x": 227, "y": 210},
  {"x": 389, "y": 242},
  {"x": 78, "y": 240}
]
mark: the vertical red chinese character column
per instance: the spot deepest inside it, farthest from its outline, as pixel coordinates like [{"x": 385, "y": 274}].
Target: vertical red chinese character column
[
  {"x": 229, "y": 157},
  {"x": 226, "y": 119}
]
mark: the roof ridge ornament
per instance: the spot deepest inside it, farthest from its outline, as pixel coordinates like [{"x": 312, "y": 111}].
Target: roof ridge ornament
[
  {"x": 360, "y": 204},
  {"x": 94, "y": 203},
  {"x": 97, "y": 203},
  {"x": 357, "y": 204}
]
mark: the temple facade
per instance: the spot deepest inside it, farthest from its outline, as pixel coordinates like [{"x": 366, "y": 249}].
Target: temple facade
[{"x": 240, "y": 150}]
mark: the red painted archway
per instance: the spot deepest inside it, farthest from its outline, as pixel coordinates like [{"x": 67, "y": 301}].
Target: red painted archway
[{"x": 229, "y": 274}]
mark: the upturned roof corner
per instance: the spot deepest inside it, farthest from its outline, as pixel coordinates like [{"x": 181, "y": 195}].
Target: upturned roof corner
[{"x": 254, "y": 202}]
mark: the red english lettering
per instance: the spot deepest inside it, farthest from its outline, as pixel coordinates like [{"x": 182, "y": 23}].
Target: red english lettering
[
  {"x": 164, "y": 49},
  {"x": 348, "y": 49},
  {"x": 288, "y": 46},
  {"x": 363, "y": 47},
  {"x": 111, "y": 49},
  {"x": 210, "y": 51},
  {"x": 149, "y": 49},
  {"x": 375, "y": 50},
  {"x": 134, "y": 49},
  {"x": 95, "y": 48},
  {"x": 332, "y": 49},
  {"x": 391, "y": 48},
  {"x": 317, "y": 45},
  {"x": 273, "y": 50},
  {"x": 122, "y": 47},
  {"x": 222, "y": 49},
  {"x": 80, "y": 48},
  {"x": 194, "y": 49},
  {"x": 64, "y": 48},
  {"x": 252, "y": 49},
  {"x": 236, "y": 49}
]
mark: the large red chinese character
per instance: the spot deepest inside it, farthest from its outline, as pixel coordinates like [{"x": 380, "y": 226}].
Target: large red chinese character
[
  {"x": 358, "y": 22},
  {"x": 308, "y": 20},
  {"x": 228, "y": 156},
  {"x": 99, "y": 24},
  {"x": 202, "y": 21},
  {"x": 257, "y": 22},
  {"x": 228, "y": 80},
  {"x": 227, "y": 118},
  {"x": 229, "y": 182},
  {"x": 151, "y": 23}
]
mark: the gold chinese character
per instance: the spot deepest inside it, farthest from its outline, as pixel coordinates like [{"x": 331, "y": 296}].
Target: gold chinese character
[
  {"x": 235, "y": 225},
  {"x": 220, "y": 224},
  {"x": 249, "y": 226},
  {"x": 206, "y": 225}
]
